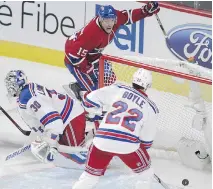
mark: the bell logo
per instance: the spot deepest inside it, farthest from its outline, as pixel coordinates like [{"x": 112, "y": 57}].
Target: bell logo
[{"x": 129, "y": 37}]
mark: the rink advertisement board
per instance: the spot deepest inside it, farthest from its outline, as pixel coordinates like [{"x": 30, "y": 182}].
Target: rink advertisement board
[
  {"x": 43, "y": 24},
  {"x": 37, "y": 31},
  {"x": 192, "y": 40}
]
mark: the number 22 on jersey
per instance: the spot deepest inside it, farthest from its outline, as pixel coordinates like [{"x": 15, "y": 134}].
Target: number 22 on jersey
[{"x": 114, "y": 117}]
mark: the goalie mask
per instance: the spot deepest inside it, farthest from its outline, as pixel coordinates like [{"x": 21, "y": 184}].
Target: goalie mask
[
  {"x": 15, "y": 81},
  {"x": 142, "y": 78}
]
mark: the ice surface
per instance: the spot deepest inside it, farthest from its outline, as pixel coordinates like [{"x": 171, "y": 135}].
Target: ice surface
[{"x": 25, "y": 172}]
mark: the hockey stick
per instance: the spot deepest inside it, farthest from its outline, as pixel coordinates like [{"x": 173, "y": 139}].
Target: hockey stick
[
  {"x": 18, "y": 152},
  {"x": 9, "y": 111},
  {"x": 61, "y": 148},
  {"x": 27, "y": 133},
  {"x": 161, "y": 182},
  {"x": 161, "y": 26}
]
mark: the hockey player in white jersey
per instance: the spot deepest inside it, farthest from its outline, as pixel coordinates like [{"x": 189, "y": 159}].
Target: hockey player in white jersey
[
  {"x": 60, "y": 119},
  {"x": 127, "y": 130}
]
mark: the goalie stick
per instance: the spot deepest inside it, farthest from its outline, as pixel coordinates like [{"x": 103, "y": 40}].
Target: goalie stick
[
  {"x": 61, "y": 148},
  {"x": 27, "y": 133}
]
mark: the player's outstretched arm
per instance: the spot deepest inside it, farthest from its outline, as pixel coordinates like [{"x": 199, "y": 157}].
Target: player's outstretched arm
[{"x": 131, "y": 16}]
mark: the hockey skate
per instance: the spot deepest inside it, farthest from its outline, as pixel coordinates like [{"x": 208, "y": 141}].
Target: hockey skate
[
  {"x": 76, "y": 90},
  {"x": 73, "y": 90}
]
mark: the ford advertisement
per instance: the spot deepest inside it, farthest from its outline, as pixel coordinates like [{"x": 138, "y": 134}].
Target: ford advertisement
[{"x": 192, "y": 41}]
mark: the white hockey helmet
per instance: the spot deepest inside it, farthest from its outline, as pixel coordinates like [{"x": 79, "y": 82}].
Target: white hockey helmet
[{"x": 142, "y": 78}]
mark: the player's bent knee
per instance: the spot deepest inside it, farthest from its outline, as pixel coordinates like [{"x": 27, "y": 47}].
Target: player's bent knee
[{"x": 86, "y": 179}]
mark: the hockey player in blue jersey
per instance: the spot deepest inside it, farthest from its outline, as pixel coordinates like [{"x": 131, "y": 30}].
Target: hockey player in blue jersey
[
  {"x": 127, "y": 130},
  {"x": 59, "y": 118}
]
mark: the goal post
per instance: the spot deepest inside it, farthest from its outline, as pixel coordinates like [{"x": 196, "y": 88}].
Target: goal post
[
  {"x": 152, "y": 65},
  {"x": 181, "y": 90}
]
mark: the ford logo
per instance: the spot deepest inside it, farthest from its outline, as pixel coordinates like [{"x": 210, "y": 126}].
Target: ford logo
[{"x": 192, "y": 40}]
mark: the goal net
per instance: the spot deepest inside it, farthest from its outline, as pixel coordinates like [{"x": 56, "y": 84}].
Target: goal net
[{"x": 181, "y": 90}]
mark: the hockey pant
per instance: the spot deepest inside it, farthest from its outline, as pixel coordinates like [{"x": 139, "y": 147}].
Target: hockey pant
[
  {"x": 98, "y": 160},
  {"x": 74, "y": 133},
  {"x": 87, "y": 82}
]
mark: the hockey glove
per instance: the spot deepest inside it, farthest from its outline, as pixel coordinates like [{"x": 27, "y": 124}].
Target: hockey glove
[
  {"x": 151, "y": 8},
  {"x": 44, "y": 149},
  {"x": 94, "y": 117}
]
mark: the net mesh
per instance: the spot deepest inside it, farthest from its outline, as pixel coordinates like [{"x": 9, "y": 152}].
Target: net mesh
[
  {"x": 109, "y": 74},
  {"x": 171, "y": 95}
]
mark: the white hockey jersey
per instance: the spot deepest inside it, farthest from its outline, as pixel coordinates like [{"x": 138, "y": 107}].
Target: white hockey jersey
[
  {"x": 129, "y": 121},
  {"x": 43, "y": 109}
]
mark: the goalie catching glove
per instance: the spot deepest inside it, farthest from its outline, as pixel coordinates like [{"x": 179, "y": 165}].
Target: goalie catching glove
[{"x": 44, "y": 148}]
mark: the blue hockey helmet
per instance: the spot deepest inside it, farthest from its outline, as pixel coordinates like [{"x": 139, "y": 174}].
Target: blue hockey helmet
[
  {"x": 107, "y": 11},
  {"x": 15, "y": 81}
]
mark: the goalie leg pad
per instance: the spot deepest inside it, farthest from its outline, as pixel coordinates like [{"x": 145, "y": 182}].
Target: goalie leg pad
[
  {"x": 78, "y": 157},
  {"x": 193, "y": 154}
]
